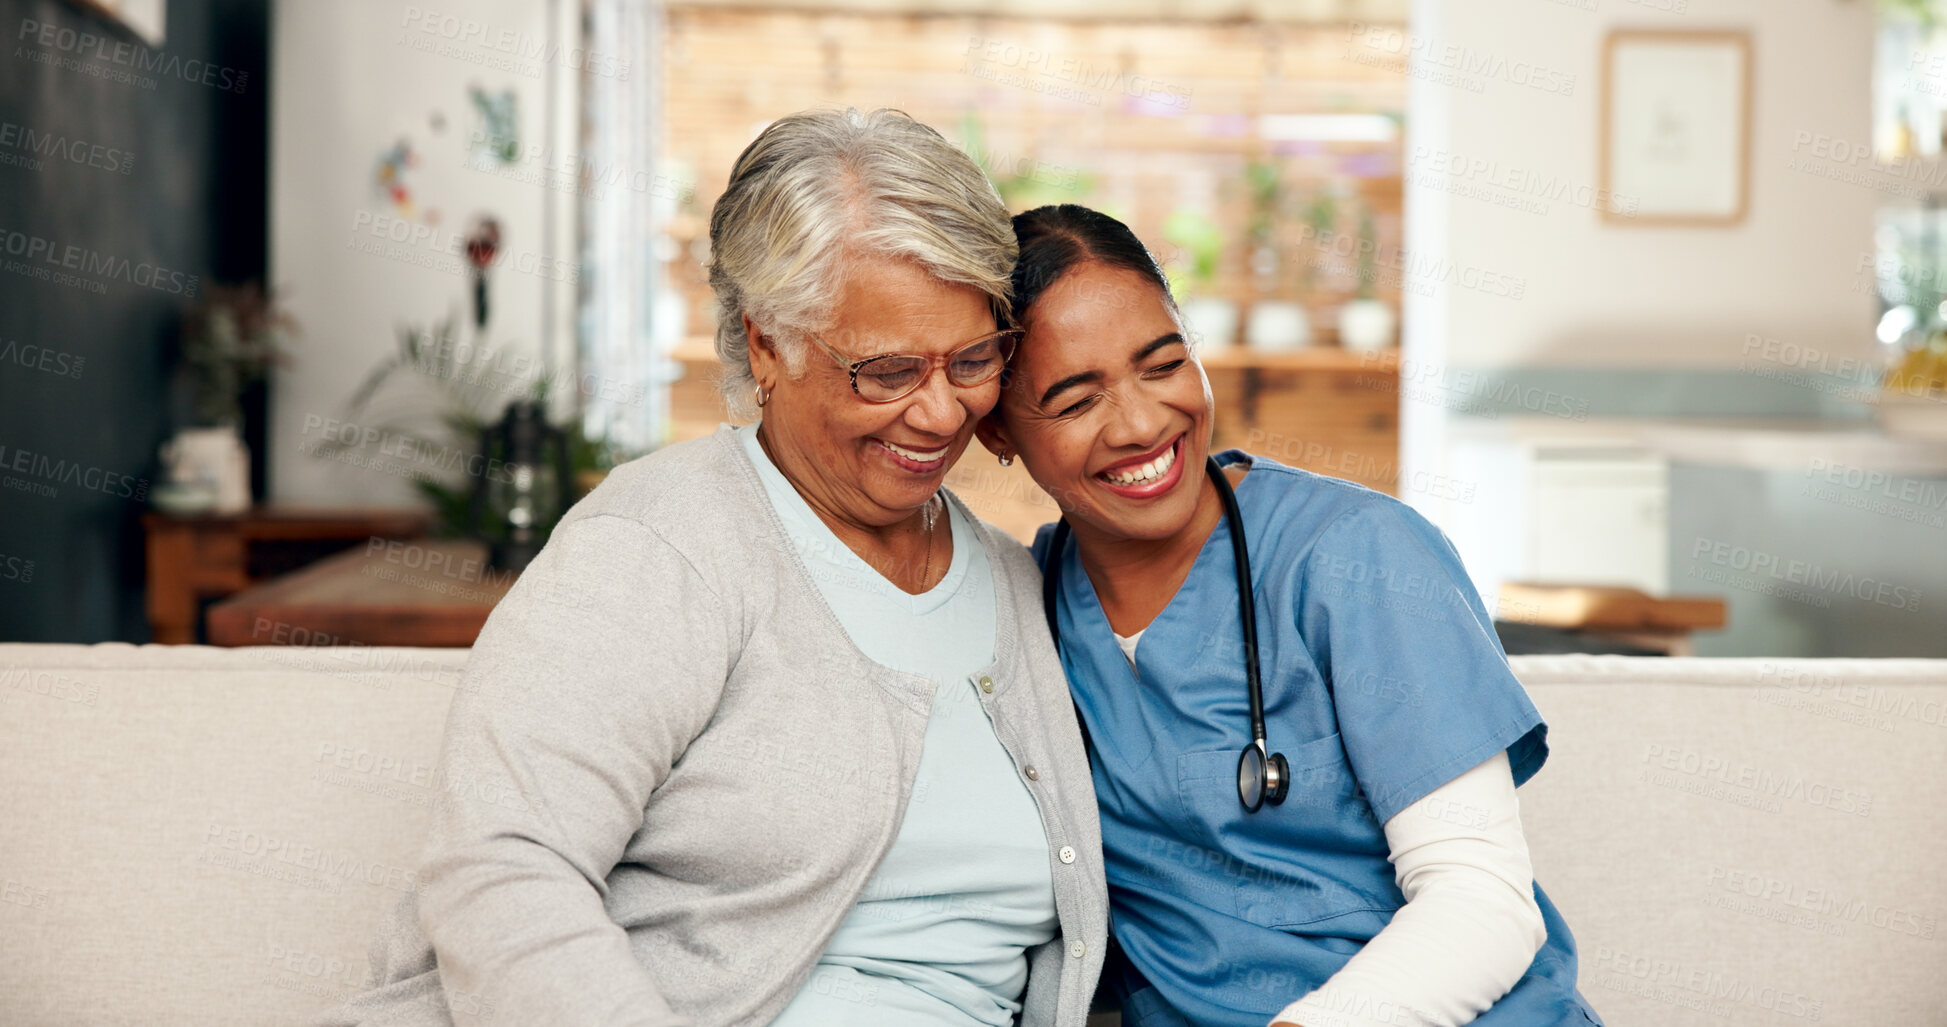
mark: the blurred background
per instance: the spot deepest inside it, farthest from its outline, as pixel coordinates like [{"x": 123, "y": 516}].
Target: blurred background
[{"x": 315, "y": 315}]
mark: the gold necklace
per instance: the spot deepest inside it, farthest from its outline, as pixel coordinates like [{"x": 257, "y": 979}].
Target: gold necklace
[{"x": 927, "y": 517}]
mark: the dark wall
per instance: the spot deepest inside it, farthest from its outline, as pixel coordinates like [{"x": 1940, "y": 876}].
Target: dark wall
[{"x": 146, "y": 192}]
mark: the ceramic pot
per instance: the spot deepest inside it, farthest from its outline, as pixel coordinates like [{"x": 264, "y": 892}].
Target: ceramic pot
[
  {"x": 1212, "y": 322},
  {"x": 1277, "y": 325},
  {"x": 1366, "y": 326},
  {"x": 214, "y": 457}
]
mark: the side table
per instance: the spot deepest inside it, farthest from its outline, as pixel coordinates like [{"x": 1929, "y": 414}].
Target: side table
[{"x": 206, "y": 556}]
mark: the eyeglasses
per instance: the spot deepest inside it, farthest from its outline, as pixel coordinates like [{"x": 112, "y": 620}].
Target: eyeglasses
[{"x": 890, "y": 376}]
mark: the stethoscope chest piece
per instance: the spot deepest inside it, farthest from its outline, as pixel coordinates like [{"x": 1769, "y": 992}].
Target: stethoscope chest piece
[{"x": 1261, "y": 779}]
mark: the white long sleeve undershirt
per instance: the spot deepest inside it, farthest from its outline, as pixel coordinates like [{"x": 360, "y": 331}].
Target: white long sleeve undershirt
[{"x": 1470, "y": 927}]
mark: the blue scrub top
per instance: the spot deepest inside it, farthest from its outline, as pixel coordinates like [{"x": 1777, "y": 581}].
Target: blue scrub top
[{"x": 1383, "y": 679}]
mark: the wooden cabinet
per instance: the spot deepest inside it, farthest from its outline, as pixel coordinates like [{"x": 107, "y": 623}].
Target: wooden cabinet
[{"x": 1323, "y": 409}]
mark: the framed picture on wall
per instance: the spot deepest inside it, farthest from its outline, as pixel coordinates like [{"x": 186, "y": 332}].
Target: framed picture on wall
[{"x": 1676, "y": 127}]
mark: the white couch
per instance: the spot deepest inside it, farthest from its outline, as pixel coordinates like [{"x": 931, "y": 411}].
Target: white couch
[{"x": 204, "y": 836}]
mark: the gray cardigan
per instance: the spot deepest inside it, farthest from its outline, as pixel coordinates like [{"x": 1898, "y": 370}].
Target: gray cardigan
[{"x": 668, "y": 775}]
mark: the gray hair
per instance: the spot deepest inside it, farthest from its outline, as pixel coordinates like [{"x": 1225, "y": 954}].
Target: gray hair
[{"x": 819, "y": 186}]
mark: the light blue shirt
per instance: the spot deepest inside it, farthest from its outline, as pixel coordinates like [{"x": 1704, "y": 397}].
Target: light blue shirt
[{"x": 941, "y": 933}]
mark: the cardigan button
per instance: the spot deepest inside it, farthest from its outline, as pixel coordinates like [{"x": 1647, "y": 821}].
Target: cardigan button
[
  {"x": 1077, "y": 949},
  {"x": 1067, "y": 854},
  {"x": 987, "y": 684},
  {"x": 1032, "y": 774}
]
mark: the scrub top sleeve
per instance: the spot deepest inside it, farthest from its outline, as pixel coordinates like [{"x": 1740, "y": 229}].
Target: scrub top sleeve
[{"x": 1418, "y": 678}]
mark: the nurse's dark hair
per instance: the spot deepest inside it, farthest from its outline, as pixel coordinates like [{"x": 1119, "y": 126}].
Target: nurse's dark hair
[{"x": 1056, "y": 239}]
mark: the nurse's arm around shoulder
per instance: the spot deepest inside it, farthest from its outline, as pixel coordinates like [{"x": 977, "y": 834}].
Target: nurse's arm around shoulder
[
  {"x": 1470, "y": 926},
  {"x": 589, "y": 679}
]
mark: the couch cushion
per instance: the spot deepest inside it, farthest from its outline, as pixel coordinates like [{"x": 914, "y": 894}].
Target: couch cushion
[
  {"x": 1746, "y": 841},
  {"x": 199, "y": 835}
]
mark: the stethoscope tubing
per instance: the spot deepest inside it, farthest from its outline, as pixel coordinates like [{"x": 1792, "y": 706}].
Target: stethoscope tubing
[{"x": 1246, "y": 607}]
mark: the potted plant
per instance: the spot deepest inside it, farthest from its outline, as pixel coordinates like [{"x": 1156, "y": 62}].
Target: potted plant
[
  {"x": 1210, "y": 319},
  {"x": 1366, "y": 323},
  {"x": 1276, "y": 322},
  {"x": 229, "y": 343},
  {"x": 433, "y": 399}
]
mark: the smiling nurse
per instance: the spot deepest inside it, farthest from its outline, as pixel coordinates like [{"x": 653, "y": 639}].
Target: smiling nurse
[{"x": 1377, "y": 873}]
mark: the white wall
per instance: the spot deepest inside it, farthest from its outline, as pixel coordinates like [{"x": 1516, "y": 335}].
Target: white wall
[
  {"x": 349, "y": 77},
  {"x": 1604, "y": 307},
  {"x": 1598, "y": 294}
]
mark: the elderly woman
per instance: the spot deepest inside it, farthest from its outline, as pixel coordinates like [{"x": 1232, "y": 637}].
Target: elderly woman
[{"x": 772, "y": 731}]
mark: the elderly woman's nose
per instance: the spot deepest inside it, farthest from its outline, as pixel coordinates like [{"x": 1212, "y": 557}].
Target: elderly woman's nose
[{"x": 935, "y": 407}]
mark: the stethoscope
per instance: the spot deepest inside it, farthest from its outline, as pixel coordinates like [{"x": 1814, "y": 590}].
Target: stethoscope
[{"x": 1262, "y": 776}]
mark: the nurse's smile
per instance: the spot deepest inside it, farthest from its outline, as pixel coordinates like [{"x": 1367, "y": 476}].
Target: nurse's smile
[{"x": 1148, "y": 475}]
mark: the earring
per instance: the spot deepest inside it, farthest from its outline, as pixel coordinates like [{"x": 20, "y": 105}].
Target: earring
[
  {"x": 1007, "y": 459},
  {"x": 762, "y": 396}
]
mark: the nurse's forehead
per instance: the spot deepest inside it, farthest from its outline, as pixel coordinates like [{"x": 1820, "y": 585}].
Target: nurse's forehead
[
  {"x": 1095, "y": 291},
  {"x": 1095, "y": 320}
]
